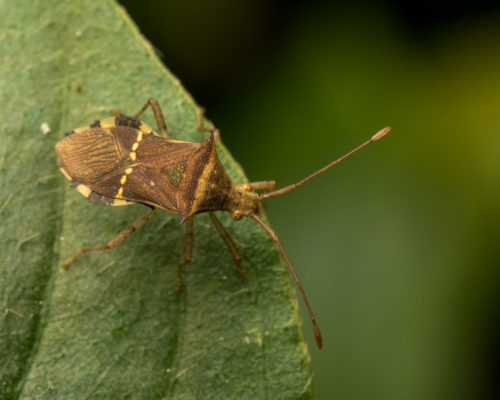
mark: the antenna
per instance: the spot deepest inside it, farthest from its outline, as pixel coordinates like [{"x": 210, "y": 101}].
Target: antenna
[
  {"x": 379, "y": 135},
  {"x": 287, "y": 189}
]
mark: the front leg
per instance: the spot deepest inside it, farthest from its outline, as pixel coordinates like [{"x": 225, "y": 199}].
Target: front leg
[{"x": 260, "y": 185}]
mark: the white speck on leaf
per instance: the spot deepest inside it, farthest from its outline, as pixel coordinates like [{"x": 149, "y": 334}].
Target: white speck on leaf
[{"x": 45, "y": 128}]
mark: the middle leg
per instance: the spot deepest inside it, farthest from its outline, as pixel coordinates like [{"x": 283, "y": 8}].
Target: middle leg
[
  {"x": 188, "y": 251},
  {"x": 229, "y": 243}
]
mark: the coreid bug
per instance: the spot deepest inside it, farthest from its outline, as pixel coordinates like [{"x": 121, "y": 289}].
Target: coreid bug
[{"x": 121, "y": 161}]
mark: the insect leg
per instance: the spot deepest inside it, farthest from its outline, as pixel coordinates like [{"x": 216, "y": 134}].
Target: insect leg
[
  {"x": 160, "y": 120},
  {"x": 188, "y": 251},
  {"x": 268, "y": 185},
  {"x": 116, "y": 240},
  {"x": 229, "y": 243},
  {"x": 201, "y": 128}
]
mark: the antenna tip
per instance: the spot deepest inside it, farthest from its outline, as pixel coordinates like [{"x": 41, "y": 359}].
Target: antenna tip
[
  {"x": 317, "y": 335},
  {"x": 381, "y": 133}
]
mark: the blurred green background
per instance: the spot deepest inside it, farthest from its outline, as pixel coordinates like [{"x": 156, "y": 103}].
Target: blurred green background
[{"x": 397, "y": 247}]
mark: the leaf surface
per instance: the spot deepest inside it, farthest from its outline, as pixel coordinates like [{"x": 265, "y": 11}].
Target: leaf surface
[{"x": 113, "y": 326}]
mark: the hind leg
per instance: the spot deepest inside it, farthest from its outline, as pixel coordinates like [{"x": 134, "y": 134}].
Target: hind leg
[
  {"x": 116, "y": 240},
  {"x": 160, "y": 119}
]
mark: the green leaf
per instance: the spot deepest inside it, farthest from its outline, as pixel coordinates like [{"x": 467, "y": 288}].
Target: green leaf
[{"x": 113, "y": 326}]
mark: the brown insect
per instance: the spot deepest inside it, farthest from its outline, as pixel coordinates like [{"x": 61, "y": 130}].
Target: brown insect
[{"x": 121, "y": 161}]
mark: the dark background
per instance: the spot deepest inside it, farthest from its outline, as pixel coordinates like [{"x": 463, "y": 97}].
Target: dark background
[{"x": 397, "y": 248}]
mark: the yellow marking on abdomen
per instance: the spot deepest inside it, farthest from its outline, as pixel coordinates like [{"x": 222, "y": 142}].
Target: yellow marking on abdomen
[
  {"x": 65, "y": 174},
  {"x": 85, "y": 190},
  {"x": 144, "y": 128},
  {"x": 135, "y": 146},
  {"x": 119, "y": 194},
  {"x": 132, "y": 155},
  {"x": 122, "y": 202},
  {"x": 108, "y": 122},
  {"x": 128, "y": 171},
  {"x": 123, "y": 180}
]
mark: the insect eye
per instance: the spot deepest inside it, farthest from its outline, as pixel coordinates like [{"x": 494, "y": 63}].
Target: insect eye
[{"x": 237, "y": 214}]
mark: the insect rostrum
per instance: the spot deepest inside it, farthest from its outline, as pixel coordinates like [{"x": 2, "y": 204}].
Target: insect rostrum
[{"x": 121, "y": 161}]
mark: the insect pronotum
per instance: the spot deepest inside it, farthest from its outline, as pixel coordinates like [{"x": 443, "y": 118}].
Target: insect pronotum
[{"x": 121, "y": 161}]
